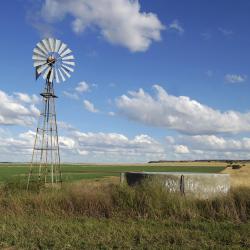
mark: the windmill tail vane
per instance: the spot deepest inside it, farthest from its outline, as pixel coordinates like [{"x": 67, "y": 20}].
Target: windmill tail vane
[{"x": 54, "y": 61}]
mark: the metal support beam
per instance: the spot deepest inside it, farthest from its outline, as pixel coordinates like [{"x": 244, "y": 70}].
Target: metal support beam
[{"x": 45, "y": 164}]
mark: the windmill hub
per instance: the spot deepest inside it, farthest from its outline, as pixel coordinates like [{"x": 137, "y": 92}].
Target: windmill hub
[{"x": 51, "y": 60}]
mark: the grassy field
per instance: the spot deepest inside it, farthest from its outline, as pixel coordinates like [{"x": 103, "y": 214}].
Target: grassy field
[
  {"x": 99, "y": 215},
  {"x": 89, "y": 233},
  {"x": 93, "y": 212},
  {"x": 73, "y": 172}
]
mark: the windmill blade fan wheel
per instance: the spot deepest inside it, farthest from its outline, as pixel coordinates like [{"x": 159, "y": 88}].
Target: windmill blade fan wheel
[{"x": 53, "y": 60}]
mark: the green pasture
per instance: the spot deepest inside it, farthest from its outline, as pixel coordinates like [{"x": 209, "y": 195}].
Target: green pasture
[{"x": 73, "y": 172}]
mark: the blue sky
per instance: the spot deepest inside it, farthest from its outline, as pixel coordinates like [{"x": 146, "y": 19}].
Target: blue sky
[{"x": 186, "y": 63}]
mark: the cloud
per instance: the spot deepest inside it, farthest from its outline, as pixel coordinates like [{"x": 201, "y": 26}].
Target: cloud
[
  {"x": 90, "y": 106},
  {"x": 118, "y": 146},
  {"x": 181, "y": 149},
  {"x": 70, "y": 95},
  {"x": 206, "y": 35},
  {"x": 18, "y": 109},
  {"x": 119, "y": 21},
  {"x": 232, "y": 78},
  {"x": 78, "y": 146},
  {"x": 23, "y": 97},
  {"x": 111, "y": 113},
  {"x": 33, "y": 17},
  {"x": 180, "y": 113},
  {"x": 16, "y": 147},
  {"x": 82, "y": 87},
  {"x": 175, "y": 25},
  {"x": 66, "y": 142},
  {"x": 19, "y": 147},
  {"x": 65, "y": 125},
  {"x": 208, "y": 147},
  {"x": 225, "y": 32},
  {"x": 216, "y": 143},
  {"x": 213, "y": 147}
]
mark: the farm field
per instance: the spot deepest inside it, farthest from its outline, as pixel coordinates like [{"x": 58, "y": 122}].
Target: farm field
[
  {"x": 91, "y": 214},
  {"x": 73, "y": 172},
  {"x": 93, "y": 211}
]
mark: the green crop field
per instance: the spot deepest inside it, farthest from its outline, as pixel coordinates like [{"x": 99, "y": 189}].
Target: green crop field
[{"x": 73, "y": 172}]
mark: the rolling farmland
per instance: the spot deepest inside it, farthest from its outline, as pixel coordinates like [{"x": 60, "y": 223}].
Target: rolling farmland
[{"x": 73, "y": 172}]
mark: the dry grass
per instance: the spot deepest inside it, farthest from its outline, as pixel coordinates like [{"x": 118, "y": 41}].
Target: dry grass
[
  {"x": 104, "y": 215},
  {"x": 239, "y": 177},
  {"x": 105, "y": 200}
]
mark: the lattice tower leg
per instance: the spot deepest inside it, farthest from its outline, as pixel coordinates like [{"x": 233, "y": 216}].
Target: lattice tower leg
[{"x": 45, "y": 164}]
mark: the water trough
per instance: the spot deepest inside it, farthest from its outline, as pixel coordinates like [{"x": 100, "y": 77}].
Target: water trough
[{"x": 201, "y": 185}]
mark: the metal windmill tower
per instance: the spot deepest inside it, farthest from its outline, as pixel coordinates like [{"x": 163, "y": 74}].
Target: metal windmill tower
[{"x": 54, "y": 61}]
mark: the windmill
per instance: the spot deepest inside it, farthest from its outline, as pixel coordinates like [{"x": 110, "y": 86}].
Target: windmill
[{"x": 54, "y": 61}]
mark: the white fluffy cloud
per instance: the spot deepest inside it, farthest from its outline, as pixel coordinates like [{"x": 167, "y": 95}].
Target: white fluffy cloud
[
  {"x": 18, "y": 109},
  {"x": 119, "y": 21},
  {"x": 16, "y": 147},
  {"x": 23, "y": 97},
  {"x": 90, "y": 106},
  {"x": 82, "y": 87},
  {"x": 118, "y": 146},
  {"x": 66, "y": 142},
  {"x": 78, "y": 146},
  {"x": 180, "y": 113},
  {"x": 216, "y": 143},
  {"x": 209, "y": 147},
  {"x": 181, "y": 149},
  {"x": 232, "y": 78}
]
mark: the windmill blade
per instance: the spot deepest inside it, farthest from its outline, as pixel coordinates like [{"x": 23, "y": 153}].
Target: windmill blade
[
  {"x": 45, "y": 75},
  {"x": 39, "y": 63},
  {"x": 42, "y": 48},
  {"x": 71, "y": 57},
  {"x": 53, "y": 70},
  {"x": 38, "y": 58},
  {"x": 62, "y": 76},
  {"x": 37, "y": 74},
  {"x": 57, "y": 77},
  {"x": 51, "y": 77},
  {"x": 67, "y": 68},
  {"x": 52, "y": 43},
  {"x": 57, "y": 45},
  {"x": 62, "y": 48},
  {"x": 68, "y": 62},
  {"x": 39, "y": 52},
  {"x": 46, "y": 45},
  {"x": 41, "y": 56},
  {"x": 66, "y": 52},
  {"x": 42, "y": 68},
  {"x": 65, "y": 72}
]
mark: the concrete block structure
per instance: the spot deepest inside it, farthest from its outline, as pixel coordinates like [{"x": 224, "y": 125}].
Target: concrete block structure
[{"x": 200, "y": 185}]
